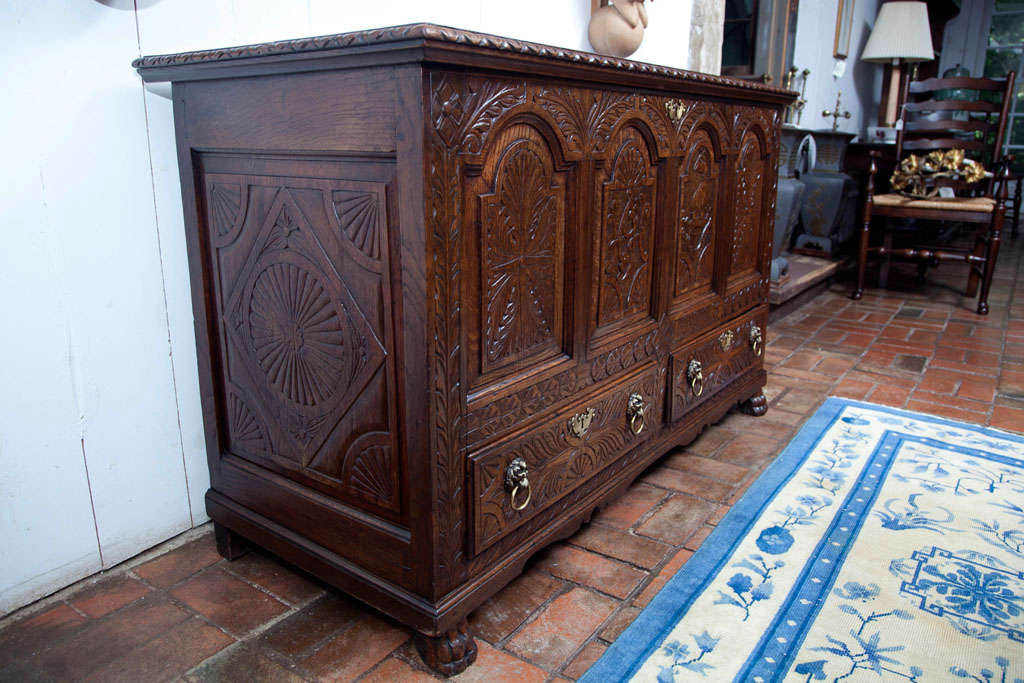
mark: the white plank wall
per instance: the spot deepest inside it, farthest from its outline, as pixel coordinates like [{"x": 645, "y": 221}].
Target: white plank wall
[{"x": 101, "y": 447}]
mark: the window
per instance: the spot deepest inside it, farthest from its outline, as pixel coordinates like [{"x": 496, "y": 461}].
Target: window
[
  {"x": 1005, "y": 53},
  {"x": 738, "y": 37}
]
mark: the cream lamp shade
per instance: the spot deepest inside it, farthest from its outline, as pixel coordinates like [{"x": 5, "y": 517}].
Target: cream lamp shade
[
  {"x": 901, "y": 34},
  {"x": 901, "y": 31}
]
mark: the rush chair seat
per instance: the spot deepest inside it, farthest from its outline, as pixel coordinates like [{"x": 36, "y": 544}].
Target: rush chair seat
[{"x": 976, "y": 126}]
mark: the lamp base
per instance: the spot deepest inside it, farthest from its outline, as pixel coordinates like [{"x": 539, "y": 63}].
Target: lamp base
[{"x": 882, "y": 134}]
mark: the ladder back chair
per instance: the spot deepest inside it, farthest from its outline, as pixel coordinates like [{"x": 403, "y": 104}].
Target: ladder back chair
[{"x": 976, "y": 126}]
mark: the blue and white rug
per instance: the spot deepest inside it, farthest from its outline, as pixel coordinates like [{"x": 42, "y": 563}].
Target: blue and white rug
[{"x": 880, "y": 545}]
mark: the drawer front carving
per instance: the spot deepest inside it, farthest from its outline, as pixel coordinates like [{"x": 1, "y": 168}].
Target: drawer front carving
[
  {"x": 560, "y": 454},
  {"x": 700, "y": 369},
  {"x": 299, "y": 261}
]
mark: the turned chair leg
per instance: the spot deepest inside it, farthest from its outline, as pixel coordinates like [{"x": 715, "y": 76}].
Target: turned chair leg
[
  {"x": 980, "y": 251},
  {"x": 1016, "y": 206},
  {"x": 991, "y": 254},
  {"x": 883, "y": 267},
  {"x": 862, "y": 254}
]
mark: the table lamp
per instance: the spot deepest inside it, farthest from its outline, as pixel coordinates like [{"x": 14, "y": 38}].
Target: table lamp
[{"x": 901, "y": 34}]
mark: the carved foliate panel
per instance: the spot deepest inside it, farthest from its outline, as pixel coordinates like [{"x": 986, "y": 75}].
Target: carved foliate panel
[
  {"x": 559, "y": 461},
  {"x": 625, "y": 268},
  {"x": 696, "y": 224},
  {"x": 751, "y": 178},
  {"x": 586, "y": 118},
  {"x": 522, "y": 228},
  {"x": 302, "y": 297},
  {"x": 464, "y": 108}
]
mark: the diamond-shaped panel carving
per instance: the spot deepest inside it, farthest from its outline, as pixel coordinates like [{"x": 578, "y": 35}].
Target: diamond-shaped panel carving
[{"x": 298, "y": 333}]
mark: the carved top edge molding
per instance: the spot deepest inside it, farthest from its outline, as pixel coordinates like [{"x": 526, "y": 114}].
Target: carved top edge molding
[{"x": 442, "y": 34}]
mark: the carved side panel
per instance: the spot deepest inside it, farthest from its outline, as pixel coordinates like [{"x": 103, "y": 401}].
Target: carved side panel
[
  {"x": 697, "y": 222},
  {"x": 303, "y": 302},
  {"x": 522, "y": 233},
  {"x": 627, "y": 232}
]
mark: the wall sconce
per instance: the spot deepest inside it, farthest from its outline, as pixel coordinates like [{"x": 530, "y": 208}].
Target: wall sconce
[{"x": 617, "y": 26}]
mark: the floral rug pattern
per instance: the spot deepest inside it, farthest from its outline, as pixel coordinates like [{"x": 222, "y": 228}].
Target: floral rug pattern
[{"x": 880, "y": 545}]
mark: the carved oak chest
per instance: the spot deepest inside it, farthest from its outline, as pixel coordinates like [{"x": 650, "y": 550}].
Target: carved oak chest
[{"x": 453, "y": 292}]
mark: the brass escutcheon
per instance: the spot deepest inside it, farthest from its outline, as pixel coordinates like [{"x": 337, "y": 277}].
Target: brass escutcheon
[
  {"x": 725, "y": 340},
  {"x": 756, "y": 340},
  {"x": 516, "y": 481},
  {"x": 579, "y": 424},
  {"x": 695, "y": 375},
  {"x": 676, "y": 110},
  {"x": 635, "y": 409}
]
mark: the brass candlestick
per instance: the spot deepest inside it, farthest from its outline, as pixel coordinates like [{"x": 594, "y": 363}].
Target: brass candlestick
[
  {"x": 835, "y": 113},
  {"x": 798, "y": 106}
]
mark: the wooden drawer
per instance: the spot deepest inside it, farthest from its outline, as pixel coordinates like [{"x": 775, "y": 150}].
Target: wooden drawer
[
  {"x": 560, "y": 453},
  {"x": 698, "y": 370}
]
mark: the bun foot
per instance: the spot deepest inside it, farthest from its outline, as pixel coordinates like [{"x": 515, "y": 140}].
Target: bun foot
[
  {"x": 982, "y": 308},
  {"x": 756, "y": 406},
  {"x": 230, "y": 545},
  {"x": 857, "y": 294},
  {"x": 449, "y": 653}
]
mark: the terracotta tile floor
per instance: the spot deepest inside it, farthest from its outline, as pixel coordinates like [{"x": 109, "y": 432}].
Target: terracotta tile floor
[{"x": 187, "y": 614}]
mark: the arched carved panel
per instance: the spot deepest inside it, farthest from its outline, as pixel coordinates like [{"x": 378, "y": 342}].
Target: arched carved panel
[
  {"x": 696, "y": 224},
  {"x": 627, "y": 232},
  {"x": 752, "y": 174},
  {"x": 522, "y": 227}
]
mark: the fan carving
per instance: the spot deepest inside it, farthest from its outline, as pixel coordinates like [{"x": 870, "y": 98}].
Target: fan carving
[
  {"x": 369, "y": 469},
  {"x": 225, "y": 206},
  {"x": 359, "y": 216},
  {"x": 298, "y": 335},
  {"x": 246, "y": 431}
]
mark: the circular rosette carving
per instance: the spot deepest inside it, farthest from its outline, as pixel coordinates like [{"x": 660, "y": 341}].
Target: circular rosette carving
[{"x": 298, "y": 334}]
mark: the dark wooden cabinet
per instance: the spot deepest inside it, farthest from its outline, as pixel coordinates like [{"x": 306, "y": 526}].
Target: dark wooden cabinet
[{"x": 432, "y": 269}]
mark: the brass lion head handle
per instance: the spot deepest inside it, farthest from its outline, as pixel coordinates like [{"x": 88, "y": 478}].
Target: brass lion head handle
[
  {"x": 756, "y": 340},
  {"x": 635, "y": 410},
  {"x": 517, "y": 482},
  {"x": 695, "y": 376}
]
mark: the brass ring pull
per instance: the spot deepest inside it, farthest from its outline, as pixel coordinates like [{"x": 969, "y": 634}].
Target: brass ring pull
[
  {"x": 517, "y": 480},
  {"x": 515, "y": 492},
  {"x": 636, "y": 409},
  {"x": 756, "y": 340},
  {"x": 695, "y": 375}
]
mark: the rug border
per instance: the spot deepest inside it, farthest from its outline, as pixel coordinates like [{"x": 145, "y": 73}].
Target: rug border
[{"x": 623, "y": 658}]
